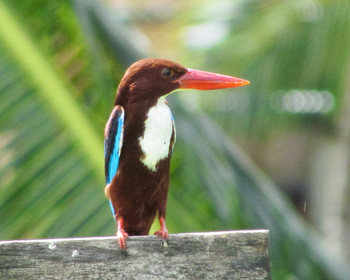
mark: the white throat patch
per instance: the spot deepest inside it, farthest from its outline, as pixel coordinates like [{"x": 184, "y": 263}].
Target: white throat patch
[{"x": 156, "y": 139}]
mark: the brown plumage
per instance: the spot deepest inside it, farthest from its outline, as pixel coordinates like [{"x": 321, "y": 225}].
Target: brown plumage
[{"x": 138, "y": 188}]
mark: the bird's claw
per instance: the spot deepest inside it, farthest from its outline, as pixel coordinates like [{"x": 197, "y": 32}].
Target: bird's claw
[
  {"x": 122, "y": 235},
  {"x": 163, "y": 233}
]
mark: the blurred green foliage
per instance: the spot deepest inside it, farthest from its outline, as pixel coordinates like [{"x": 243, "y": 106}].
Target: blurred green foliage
[{"x": 60, "y": 66}]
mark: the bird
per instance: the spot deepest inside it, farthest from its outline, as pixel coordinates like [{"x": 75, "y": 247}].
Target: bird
[{"x": 139, "y": 138}]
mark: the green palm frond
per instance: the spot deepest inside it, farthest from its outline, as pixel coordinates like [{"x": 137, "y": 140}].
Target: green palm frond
[
  {"x": 242, "y": 197},
  {"x": 55, "y": 162},
  {"x": 51, "y": 154}
]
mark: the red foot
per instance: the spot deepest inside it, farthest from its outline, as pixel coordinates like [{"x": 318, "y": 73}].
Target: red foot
[
  {"x": 162, "y": 232},
  {"x": 121, "y": 234}
]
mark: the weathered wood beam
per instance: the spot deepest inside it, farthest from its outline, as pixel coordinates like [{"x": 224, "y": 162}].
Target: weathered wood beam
[{"x": 209, "y": 255}]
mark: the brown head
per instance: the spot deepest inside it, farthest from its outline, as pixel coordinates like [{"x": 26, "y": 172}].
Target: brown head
[{"x": 152, "y": 78}]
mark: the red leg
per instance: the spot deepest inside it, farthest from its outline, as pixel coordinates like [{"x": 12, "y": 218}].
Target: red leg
[
  {"x": 121, "y": 234},
  {"x": 162, "y": 232}
]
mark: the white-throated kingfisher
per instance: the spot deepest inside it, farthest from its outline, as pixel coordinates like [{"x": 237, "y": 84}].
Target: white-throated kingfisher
[{"x": 139, "y": 139}]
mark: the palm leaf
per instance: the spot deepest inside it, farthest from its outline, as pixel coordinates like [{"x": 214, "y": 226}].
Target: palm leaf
[
  {"x": 50, "y": 186},
  {"x": 241, "y": 192},
  {"x": 56, "y": 154}
]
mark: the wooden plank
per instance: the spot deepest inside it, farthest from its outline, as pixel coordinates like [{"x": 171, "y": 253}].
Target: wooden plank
[{"x": 210, "y": 255}]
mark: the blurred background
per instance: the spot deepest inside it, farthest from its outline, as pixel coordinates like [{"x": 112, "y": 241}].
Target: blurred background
[{"x": 274, "y": 154}]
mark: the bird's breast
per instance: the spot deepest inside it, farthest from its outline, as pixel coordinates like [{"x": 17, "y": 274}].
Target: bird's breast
[{"x": 156, "y": 139}]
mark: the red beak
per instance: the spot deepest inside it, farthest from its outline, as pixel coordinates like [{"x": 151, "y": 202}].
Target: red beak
[{"x": 196, "y": 79}]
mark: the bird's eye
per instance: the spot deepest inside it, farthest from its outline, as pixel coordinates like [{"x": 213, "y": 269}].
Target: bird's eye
[{"x": 167, "y": 73}]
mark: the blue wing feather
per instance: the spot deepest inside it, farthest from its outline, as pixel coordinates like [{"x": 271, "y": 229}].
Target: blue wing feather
[{"x": 113, "y": 144}]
